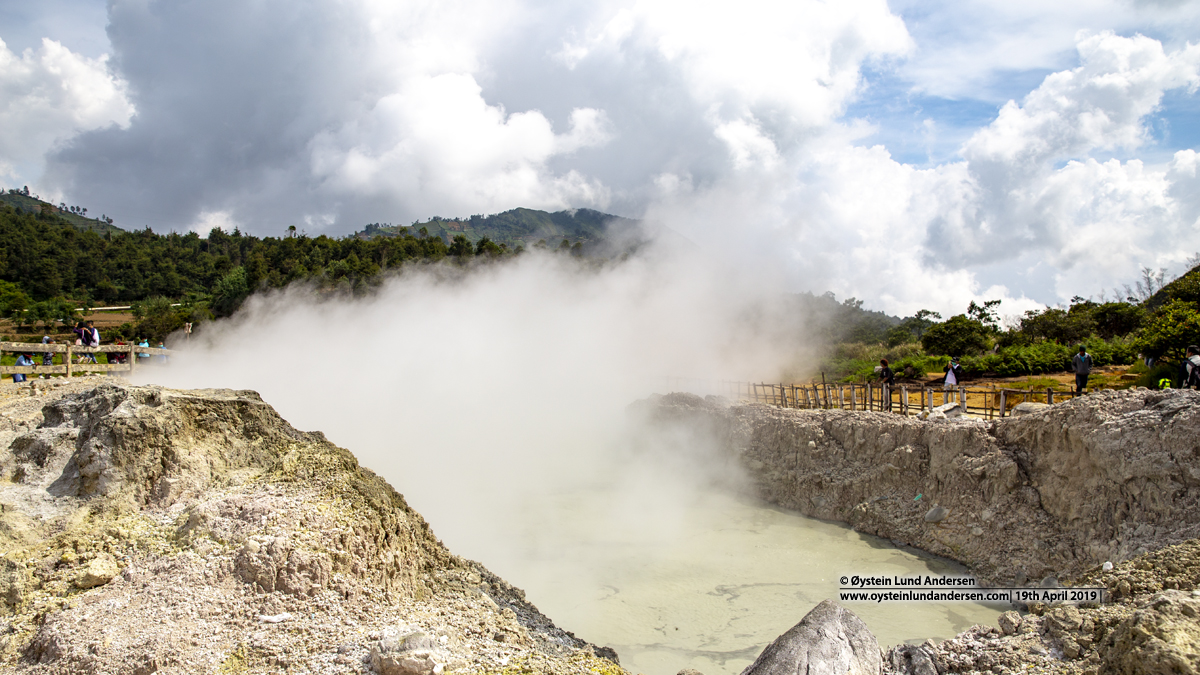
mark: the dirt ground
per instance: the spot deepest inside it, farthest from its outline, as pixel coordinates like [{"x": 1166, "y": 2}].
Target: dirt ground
[{"x": 103, "y": 320}]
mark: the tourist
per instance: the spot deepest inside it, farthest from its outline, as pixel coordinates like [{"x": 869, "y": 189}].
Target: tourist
[
  {"x": 1191, "y": 368},
  {"x": 143, "y": 355},
  {"x": 47, "y": 357},
  {"x": 91, "y": 339},
  {"x": 23, "y": 361},
  {"x": 1082, "y": 365},
  {"x": 954, "y": 374},
  {"x": 888, "y": 378}
]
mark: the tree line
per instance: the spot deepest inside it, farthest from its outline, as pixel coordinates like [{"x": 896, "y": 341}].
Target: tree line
[
  {"x": 49, "y": 268},
  {"x": 1151, "y": 325}
]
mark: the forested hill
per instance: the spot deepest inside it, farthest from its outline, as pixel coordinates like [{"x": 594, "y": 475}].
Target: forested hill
[
  {"x": 44, "y": 257},
  {"x": 74, "y": 215},
  {"x": 522, "y": 227}
]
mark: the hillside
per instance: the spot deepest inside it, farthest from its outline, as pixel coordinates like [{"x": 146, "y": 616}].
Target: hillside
[
  {"x": 27, "y": 204},
  {"x": 525, "y": 227}
]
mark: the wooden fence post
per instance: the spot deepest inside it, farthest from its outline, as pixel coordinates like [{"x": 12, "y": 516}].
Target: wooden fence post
[
  {"x": 841, "y": 397},
  {"x": 870, "y": 397},
  {"x": 904, "y": 400},
  {"x": 1003, "y": 403},
  {"x": 1049, "y": 396}
]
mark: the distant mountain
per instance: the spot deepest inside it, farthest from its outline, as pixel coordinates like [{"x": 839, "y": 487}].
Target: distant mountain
[
  {"x": 29, "y": 204},
  {"x": 597, "y": 232}
]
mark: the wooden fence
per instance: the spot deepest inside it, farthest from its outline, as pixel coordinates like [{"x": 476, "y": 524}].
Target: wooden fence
[
  {"x": 67, "y": 357},
  {"x": 986, "y": 402}
]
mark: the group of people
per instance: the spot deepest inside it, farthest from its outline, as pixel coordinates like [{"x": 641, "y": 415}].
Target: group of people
[
  {"x": 1081, "y": 363},
  {"x": 86, "y": 335}
]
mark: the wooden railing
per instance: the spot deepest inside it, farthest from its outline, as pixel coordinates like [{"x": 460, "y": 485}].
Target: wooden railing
[
  {"x": 984, "y": 402},
  {"x": 987, "y": 402},
  {"x": 66, "y": 365}
]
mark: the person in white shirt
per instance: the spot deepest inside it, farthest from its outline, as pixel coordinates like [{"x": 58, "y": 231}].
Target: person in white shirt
[{"x": 953, "y": 374}]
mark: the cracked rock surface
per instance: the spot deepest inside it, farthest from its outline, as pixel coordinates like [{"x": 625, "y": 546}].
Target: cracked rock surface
[{"x": 149, "y": 530}]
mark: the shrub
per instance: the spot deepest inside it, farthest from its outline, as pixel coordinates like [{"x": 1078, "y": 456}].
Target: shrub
[
  {"x": 1169, "y": 331},
  {"x": 958, "y": 336}
]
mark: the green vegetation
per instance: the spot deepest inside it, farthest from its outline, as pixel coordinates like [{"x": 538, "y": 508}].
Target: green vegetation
[
  {"x": 518, "y": 228},
  {"x": 53, "y": 261},
  {"x": 1158, "y": 322},
  {"x": 75, "y": 216}
]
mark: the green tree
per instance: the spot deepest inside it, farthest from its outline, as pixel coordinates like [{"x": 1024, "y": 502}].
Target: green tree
[
  {"x": 487, "y": 247},
  {"x": 460, "y": 246},
  {"x": 159, "y": 319},
  {"x": 985, "y": 314},
  {"x": 1057, "y": 325},
  {"x": 957, "y": 336},
  {"x": 65, "y": 312},
  {"x": 43, "y": 313},
  {"x": 1169, "y": 331},
  {"x": 230, "y": 292}
]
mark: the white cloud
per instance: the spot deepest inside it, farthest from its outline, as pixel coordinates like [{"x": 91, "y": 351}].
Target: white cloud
[
  {"x": 799, "y": 59},
  {"x": 1099, "y": 105},
  {"x": 854, "y": 220},
  {"x": 437, "y": 144},
  {"x": 49, "y": 95},
  {"x": 979, "y": 49},
  {"x": 721, "y": 120}
]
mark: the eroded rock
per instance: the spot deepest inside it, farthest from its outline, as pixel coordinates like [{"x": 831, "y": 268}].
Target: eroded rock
[{"x": 829, "y": 640}]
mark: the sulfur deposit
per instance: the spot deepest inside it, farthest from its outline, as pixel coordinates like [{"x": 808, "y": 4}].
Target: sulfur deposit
[
  {"x": 1041, "y": 499},
  {"x": 151, "y": 530}
]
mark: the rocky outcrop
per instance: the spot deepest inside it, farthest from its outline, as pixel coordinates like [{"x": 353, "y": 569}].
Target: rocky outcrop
[
  {"x": 145, "y": 529},
  {"x": 1058, "y": 490},
  {"x": 829, "y": 640},
  {"x": 1053, "y": 492}
]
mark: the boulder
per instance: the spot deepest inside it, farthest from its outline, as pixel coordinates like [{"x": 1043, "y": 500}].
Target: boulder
[
  {"x": 1028, "y": 408},
  {"x": 829, "y": 640},
  {"x": 407, "y": 650},
  {"x": 99, "y": 571}
]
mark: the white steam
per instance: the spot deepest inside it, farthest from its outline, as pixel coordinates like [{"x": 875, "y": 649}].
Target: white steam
[{"x": 483, "y": 396}]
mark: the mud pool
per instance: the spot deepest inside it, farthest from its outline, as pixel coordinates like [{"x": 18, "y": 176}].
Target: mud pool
[{"x": 712, "y": 587}]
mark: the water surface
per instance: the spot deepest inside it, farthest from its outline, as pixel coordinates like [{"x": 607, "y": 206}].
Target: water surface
[{"x": 709, "y": 591}]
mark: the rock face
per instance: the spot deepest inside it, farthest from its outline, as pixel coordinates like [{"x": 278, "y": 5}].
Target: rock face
[
  {"x": 150, "y": 530},
  {"x": 1053, "y": 492},
  {"x": 1161, "y": 638},
  {"x": 829, "y": 640}
]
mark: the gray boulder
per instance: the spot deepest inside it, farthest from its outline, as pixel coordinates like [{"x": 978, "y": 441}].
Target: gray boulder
[
  {"x": 829, "y": 640},
  {"x": 1028, "y": 408}
]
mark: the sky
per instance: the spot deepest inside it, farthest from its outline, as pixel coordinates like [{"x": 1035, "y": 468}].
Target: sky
[{"x": 911, "y": 154}]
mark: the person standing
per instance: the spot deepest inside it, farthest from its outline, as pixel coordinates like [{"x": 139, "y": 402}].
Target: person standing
[
  {"x": 1191, "y": 368},
  {"x": 888, "y": 377},
  {"x": 23, "y": 360},
  {"x": 91, "y": 338},
  {"x": 47, "y": 357},
  {"x": 1082, "y": 364},
  {"x": 954, "y": 374}
]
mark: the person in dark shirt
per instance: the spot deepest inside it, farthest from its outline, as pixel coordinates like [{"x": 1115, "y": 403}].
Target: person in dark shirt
[{"x": 888, "y": 377}]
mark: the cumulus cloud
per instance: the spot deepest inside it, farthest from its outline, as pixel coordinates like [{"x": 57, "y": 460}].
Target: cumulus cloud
[
  {"x": 1026, "y": 196},
  {"x": 50, "y": 95},
  {"x": 725, "y": 123}
]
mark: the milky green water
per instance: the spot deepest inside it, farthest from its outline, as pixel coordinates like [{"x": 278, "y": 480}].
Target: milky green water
[{"x": 716, "y": 584}]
